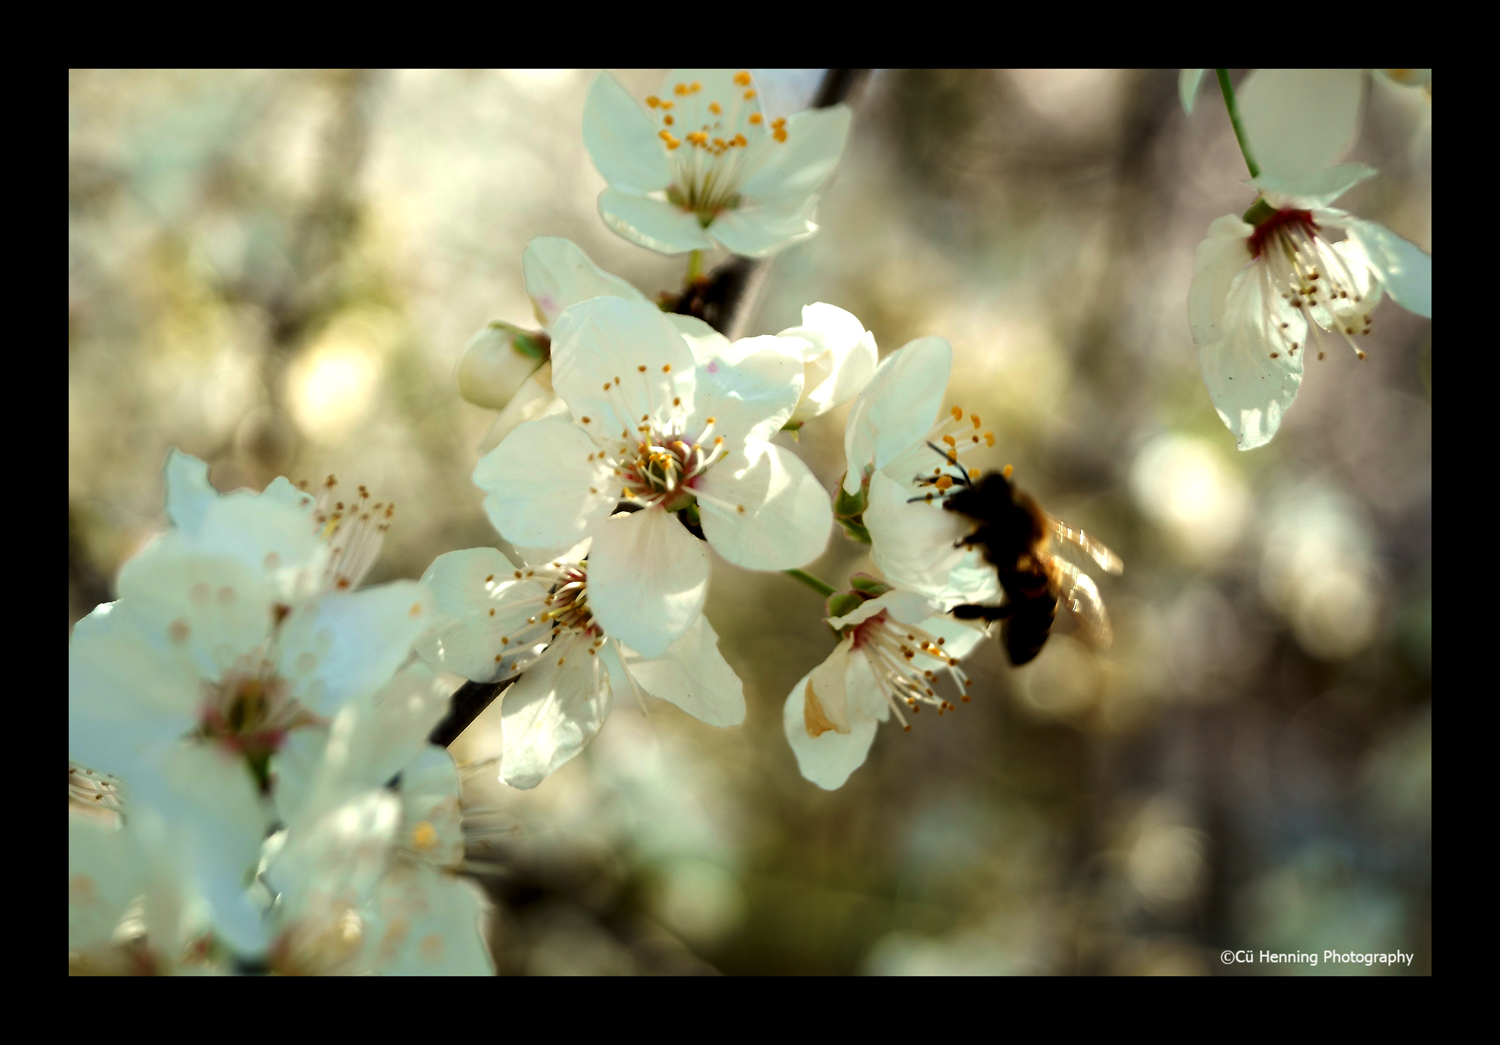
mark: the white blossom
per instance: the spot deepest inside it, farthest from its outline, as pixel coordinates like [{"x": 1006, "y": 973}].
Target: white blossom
[
  {"x": 703, "y": 163},
  {"x": 839, "y": 360},
  {"x": 654, "y": 427},
  {"x": 894, "y": 650},
  {"x": 1264, "y": 295},
  {"x": 496, "y": 621}
]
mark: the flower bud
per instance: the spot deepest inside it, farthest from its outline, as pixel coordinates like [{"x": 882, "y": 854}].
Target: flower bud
[{"x": 496, "y": 362}]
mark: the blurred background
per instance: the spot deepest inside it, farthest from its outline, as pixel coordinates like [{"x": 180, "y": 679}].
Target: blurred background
[{"x": 277, "y": 271}]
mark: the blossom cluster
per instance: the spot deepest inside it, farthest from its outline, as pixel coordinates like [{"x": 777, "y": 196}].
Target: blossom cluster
[{"x": 248, "y": 724}]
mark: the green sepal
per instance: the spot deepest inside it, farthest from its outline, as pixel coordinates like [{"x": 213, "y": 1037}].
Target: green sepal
[
  {"x": 687, "y": 504},
  {"x": 791, "y": 426},
  {"x": 842, "y": 602},
  {"x": 855, "y": 531},
  {"x": 869, "y": 586},
  {"x": 849, "y": 510},
  {"x": 1259, "y": 212},
  {"x": 675, "y": 196},
  {"x": 537, "y": 346}
]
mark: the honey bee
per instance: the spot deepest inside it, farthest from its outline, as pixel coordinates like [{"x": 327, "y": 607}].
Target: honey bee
[{"x": 1013, "y": 533}]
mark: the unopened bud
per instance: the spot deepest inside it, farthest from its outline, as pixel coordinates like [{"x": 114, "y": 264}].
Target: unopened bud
[{"x": 496, "y": 362}]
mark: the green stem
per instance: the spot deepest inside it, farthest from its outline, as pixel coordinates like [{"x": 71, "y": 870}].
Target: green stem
[
  {"x": 1234, "y": 118},
  {"x": 821, "y": 587},
  {"x": 695, "y": 267}
]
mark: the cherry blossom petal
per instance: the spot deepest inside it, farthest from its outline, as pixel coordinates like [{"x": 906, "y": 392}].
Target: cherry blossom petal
[
  {"x": 915, "y": 545},
  {"x": 1403, "y": 268},
  {"x": 906, "y": 607},
  {"x": 481, "y": 602},
  {"x": 621, "y": 138},
  {"x": 763, "y": 510},
  {"x": 758, "y": 230},
  {"x": 693, "y": 675},
  {"x": 545, "y": 486},
  {"x": 424, "y": 922},
  {"x": 839, "y": 363},
  {"x": 1187, "y": 87},
  {"x": 1221, "y": 257},
  {"x": 1300, "y": 120},
  {"x": 553, "y": 711},
  {"x": 651, "y": 223},
  {"x": 189, "y": 493},
  {"x": 828, "y": 759},
  {"x": 648, "y": 578},
  {"x": 798, "y": 167},
  {"x": 897, "y": 407},
  {"x": 560, "y": 275},
  {"x": 632, "y": 348},
  {"x": 1314, "y": 190},
  {"x": 1251, "y": 390},
  {"x": 750, "y": 390},
  {"x": 335, "y": 649},
  {"x": 706, "y": 343}
]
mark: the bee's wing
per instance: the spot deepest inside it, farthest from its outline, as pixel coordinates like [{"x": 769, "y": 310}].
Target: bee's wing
[
  {"x": 1080, "y": 595},
  {"x": 1107, "y": 560}
]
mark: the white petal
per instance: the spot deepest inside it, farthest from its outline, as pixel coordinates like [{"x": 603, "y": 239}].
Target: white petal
[
  {"x": 1403, "y": 268},
  {"x": 1252, "y": 391},
  {"x": 786, "y": 517},
  {"x": 825, "y": 695},
  {"x": 344, "y": 646},
  {"x": 214, "y": 821},
  {"x": 898, "y": 407},
  {"x": 750, "y": 389},
  {"x": 758, "y": 230},
  {"x": 905, "y": 607},
  {"x": 841, "y": 362},
  {"x": 559, "y": 275},
  {"x": 132, "y": 692},
  {"x": 1187, "y": 87},
  {"x": 828, "y": 759},
  {"x": 1300, "y": 120},
  {"x": 1220, "y": 258},
  {"x": 480, "y": 603},
  {"x": 621, "y": 139},
  {"x": 1314, "y": 190},
  {"x": 189, "y": 493},
  {"x": 269, "y": 537},
  {"x": 545, "y": 485},
  {"x": 600, "y": 341},
  {"x": 648, "y": 578},
  {"x": 693, "y": 675},
  {"x": 428, "y": 923},
  {"x": 798, "y": 167},
  {"x": 651, "y": 223},
  {"x": 533, "y": 401},
  {"x": 915, "y": 546},
  {"x": 960, "y": 636},
  {"x": 706, "y": 343},
  {"x": 107, "y": 870},
  {"x": 553, "y": 711}
]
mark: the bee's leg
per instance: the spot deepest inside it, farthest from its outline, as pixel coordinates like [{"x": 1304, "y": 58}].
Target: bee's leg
[{"x": 972, "y": 611}]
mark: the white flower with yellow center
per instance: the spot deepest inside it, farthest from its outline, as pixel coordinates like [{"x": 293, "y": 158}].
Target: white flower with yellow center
[
  {"x": 496, "y": 621},
  {"x": 1265, "y": 294},
  {"x": 895, "y": 440},
  {"x": 214, "y": 673},
  {"x": 895, "y": 649},
  {"x": 703, "y": 163},
  {"x": 653, "y": 429}
]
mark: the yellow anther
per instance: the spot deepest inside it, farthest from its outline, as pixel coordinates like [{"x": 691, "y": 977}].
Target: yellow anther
[
  {"x": 949, "y": 440},
  {"x": 749, "y": 95},
  {"x": 666, "y": 105},
  {"x": 780, "y": 121},
  {"x": 711, "y": 420},
  {"x": 739, "y": 139},
  {"x": 680, "y": 89},
  {"x": 667, "y": 119},
  {"x": 652, "y": 100},
  {"x": 779, "y": 134},
  {"x": 989, "y": 439},
  {"x": 958, "y": 413},
  {"x": 1007, "y": 471},
  {"x": 974, "y": 478},
  {"x": 424, "y": 835},
  {"x": 642, "y": 368},
  {"x": 715, "y": 108},
  {"x": 721, "y": 143},
  {"x": 756, "y": 118},
  {"x": 742, "y": 78},
  {"x": 944, "y": 482},
  {"x": 696, "y": 87},
  {"x": 975, "y": 419},
  {"x": 664, "y": 135},
  {"x": 672, "y": 144}
]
